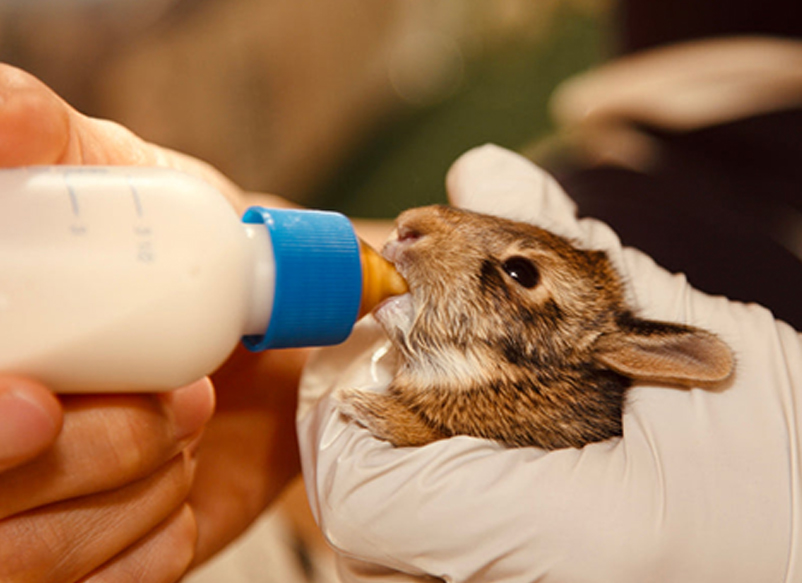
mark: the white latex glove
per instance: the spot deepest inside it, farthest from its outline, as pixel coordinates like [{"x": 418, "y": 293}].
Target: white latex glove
[{"x": 704, "y": 486}]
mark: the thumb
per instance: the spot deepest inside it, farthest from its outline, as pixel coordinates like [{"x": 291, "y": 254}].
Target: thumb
[
  {"x": 38, "y": 127},
  {"x": 30, "y": 420},
  {"x": 35, "y": 124}
]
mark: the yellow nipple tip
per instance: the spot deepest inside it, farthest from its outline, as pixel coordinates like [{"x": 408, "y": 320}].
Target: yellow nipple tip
[{"x": 380, "y": 280}]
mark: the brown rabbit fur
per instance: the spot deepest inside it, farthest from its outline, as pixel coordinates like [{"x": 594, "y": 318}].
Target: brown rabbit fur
[{"x": 512, "y": 333}]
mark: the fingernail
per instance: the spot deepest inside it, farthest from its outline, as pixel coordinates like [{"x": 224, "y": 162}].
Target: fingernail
[
  {"x": 190, "y": 407},
  {"x": 26, "y": 425}
]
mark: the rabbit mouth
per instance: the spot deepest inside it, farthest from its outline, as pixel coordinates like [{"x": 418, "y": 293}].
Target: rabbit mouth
[
  {"x": 396, "y": 313},
  {"x": 397, "y": 247}
]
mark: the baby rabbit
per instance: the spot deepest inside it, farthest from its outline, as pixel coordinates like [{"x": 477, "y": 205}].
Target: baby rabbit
[{"x": 511, "y": 333}]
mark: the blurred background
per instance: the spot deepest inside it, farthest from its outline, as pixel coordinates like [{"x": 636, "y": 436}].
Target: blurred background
[
  {"x": 353, "y": 105},
  {"x": 677, "y": 122}
]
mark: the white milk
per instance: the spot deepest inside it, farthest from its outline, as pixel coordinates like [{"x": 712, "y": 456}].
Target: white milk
[{"x": 144, "y": 279}]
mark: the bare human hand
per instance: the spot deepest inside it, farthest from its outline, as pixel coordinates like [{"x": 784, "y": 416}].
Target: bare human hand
[
  {"x": 116, "y": 477},
  {"x": 99, "y": 487}
]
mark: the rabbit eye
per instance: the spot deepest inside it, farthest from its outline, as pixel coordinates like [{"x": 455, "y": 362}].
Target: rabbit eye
[{"x": 522, "y": 270}]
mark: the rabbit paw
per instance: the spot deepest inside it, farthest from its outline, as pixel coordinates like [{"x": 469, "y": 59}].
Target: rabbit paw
[{"x": 385, "y": 417}]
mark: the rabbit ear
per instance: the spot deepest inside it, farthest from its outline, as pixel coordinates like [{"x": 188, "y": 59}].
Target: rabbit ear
[{"x": 657, "y": 351}]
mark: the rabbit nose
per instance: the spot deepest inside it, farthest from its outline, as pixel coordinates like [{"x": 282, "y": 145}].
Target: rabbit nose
[
  {"x": 407, "y": 234},
  {"x": 410, "y": 227},
  {"x": 417, "y": 222},
  {"x": 404, "y": 237}
]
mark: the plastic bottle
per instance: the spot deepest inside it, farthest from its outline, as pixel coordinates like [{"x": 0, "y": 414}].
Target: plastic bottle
[{"x": 145, "y": 279}]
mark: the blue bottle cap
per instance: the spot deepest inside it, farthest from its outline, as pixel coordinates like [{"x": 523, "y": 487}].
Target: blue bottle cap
[{"x": 318, "y": 278}]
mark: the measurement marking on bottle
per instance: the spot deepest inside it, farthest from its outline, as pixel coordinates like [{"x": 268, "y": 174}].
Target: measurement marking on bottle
[
  {"x": 77, "y": 228},
  {"x": 145, "y": 252},
  {"x": 144, "y": 244},
  {"x": 143, "y": 231},
  {"x": 76, "y": 209},
  {"x": 137, "y": 200}
]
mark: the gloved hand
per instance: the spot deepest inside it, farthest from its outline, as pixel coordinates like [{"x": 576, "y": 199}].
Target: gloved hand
[{"x": 704, "y": 486}]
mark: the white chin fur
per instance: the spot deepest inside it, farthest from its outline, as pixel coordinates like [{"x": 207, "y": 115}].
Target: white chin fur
[{"x": 398, "y": 312}]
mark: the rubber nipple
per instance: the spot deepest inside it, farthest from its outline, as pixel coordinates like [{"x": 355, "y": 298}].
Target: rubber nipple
[{"x": 380, "y": 280}]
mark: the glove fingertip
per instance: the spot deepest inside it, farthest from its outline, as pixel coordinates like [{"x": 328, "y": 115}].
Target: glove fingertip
[{"x": 497, "y": 181}]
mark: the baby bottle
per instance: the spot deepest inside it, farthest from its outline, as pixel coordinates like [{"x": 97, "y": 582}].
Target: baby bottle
[{"x": 125, "y": 278}]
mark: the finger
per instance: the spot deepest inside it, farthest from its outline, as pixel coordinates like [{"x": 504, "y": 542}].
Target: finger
[
  {"x": 162, "y": 556},
  {"x": 65, "y": 541},
  {"x": 38, "y": 127},
  {"x": 108, "y": 441},
  {"x": 34, "y": 123},
  {"x": 30, "y": 420},
  {"x": 249, "y": 451}
]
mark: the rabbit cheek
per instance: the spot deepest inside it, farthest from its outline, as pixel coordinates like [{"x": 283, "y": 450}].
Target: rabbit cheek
[{"x": 448, "y": 369}]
